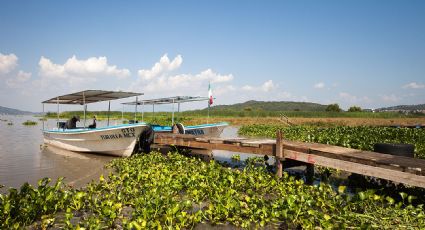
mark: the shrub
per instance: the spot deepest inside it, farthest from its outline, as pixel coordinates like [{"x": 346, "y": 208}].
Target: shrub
[{"x": 333, "y": 108}]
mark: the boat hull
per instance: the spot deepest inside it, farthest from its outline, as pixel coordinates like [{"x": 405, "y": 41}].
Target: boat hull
[
  {"x": 116, "y": 140},
  {"x": 210, "y": 130}
]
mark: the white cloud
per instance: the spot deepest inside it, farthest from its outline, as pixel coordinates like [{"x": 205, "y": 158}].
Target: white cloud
[
  {"x": 49, "y": 69},
  {"x": 183, "y": 82},
  {"x": 268, "y": 86},
  {"x": 247, "y": 88},
  {"x": 390, "y": 98},
  {"x": 214, "y": 77},
  {"x": 75, "y": 68},
  {"x": 163, "y": 66},
  {"x": 20, "y": 78},
  {"x": 353, "y": 99},
  {"x": 225, "y": 89},
  {"x": 75, "y": 74},
  {"x": 319, "y": 85},
  {"x": 414, "y": 85},
  {"x": 159, "y": 79},
  {"x": 265, "y": 87},
  {"x": 8, "y": 63}
]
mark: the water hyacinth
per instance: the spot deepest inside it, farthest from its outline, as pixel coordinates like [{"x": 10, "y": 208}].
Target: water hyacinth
[
  {"x": 175, "y": 191},
  {"x": 28, "y": 122},
  {"x": 360, "y": 137}
]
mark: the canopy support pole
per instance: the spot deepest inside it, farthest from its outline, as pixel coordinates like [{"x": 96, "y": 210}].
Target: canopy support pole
[
  {"x": 172, "y": 117},
  {"x": 143, "y": 111},
  {"x": 153, "y": 111},
  {"x": 57, "y": 120},
  {"x": 109, "y": 110},
  {"x": 208, "y": 117},
  {"x": 85, "y": 108},
  {"x": 44, "y": 116},
  {"x": 122, "y": 114},
  {"x": 135, "y": 111}
]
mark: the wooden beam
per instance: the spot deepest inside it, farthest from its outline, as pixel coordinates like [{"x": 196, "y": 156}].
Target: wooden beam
[{"x": 263, "y": 149}]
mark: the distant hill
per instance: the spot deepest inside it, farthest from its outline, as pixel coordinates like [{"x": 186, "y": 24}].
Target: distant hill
[
  {"x": 272, "y": 106},
  {"x": 5, "y": 110},
  {"x": 404, "y": 107}
]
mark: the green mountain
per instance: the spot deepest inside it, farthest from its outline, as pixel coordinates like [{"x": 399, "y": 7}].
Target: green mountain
[
  {"x": 405, "y": 107},
  {"x": 271, "y": 106},
  {"x": 5, "y": 110}
]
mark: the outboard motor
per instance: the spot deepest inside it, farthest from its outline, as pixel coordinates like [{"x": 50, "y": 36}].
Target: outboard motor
[{"x": 145, "y": 141}]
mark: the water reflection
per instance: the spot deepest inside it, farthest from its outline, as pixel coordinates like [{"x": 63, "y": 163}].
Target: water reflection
[{"x": 24, "y": 158}]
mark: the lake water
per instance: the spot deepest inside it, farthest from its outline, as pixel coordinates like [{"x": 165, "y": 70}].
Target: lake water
[{"x": 24, "y": 157}]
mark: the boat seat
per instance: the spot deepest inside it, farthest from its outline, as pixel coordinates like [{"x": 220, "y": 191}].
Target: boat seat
[{"x": 61, "y": 124}]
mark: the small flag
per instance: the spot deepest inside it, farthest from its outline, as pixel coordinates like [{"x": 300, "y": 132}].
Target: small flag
[{"x": 210, "y": 101}]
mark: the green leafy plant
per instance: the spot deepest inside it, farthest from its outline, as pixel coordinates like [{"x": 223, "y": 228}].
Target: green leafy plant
[
  {"x": 360, "y": 137},
  {"x": 28, "y": 123},
  {"x": 236, "y": 158},
  {"x": 174, "y": 191}
]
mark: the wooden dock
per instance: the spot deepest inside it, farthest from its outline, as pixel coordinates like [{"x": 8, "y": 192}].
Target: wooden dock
[{"x": 409, "y": 171}]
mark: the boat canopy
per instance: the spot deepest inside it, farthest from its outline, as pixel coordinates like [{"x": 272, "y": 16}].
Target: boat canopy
[
  {"x": 167, "y": 100},
  {"x": 90, "y": 96}
]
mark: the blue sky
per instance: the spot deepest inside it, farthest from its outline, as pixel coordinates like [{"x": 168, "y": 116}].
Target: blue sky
[{"x": 366, "y": 53}]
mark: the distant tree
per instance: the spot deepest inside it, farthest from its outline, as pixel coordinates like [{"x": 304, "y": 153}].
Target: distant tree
[
  {"x": 248, "y": 109},
  {"x": 333, "y": 108},
  {"x": 354, "y": 109}
]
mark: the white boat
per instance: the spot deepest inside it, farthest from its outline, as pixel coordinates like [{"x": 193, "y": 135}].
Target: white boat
[
  {"x": 117, "y": 140},
  {"x": 211, "y": 130}
]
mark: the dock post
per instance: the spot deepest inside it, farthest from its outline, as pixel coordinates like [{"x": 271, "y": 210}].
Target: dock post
[
  {"x": 279, "y": 153},
  {"x": 309, "y": 174}
]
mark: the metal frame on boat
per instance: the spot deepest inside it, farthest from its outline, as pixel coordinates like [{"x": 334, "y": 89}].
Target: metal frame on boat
[
  {"x": 111, "y": 140},
  {"x": 213, "y": 130}
]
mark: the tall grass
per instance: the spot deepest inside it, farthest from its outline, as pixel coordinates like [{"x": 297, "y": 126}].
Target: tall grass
[{"x": 230, "y": 113}]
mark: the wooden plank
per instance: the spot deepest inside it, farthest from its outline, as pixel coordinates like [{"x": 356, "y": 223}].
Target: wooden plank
[
  {"x": 400, "y": 163},
  {"x": 202, "y": 139},
  {"x": 295, "y": 146},
  {"x": 368, "y": 170},
  {"x": 256, "y": 142},
  {"x": 366, "y": 157},
  {"x": 216, "y": 140},
  {"x": 266, "y": 150},
  {"x": 234, "y": 141}
]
